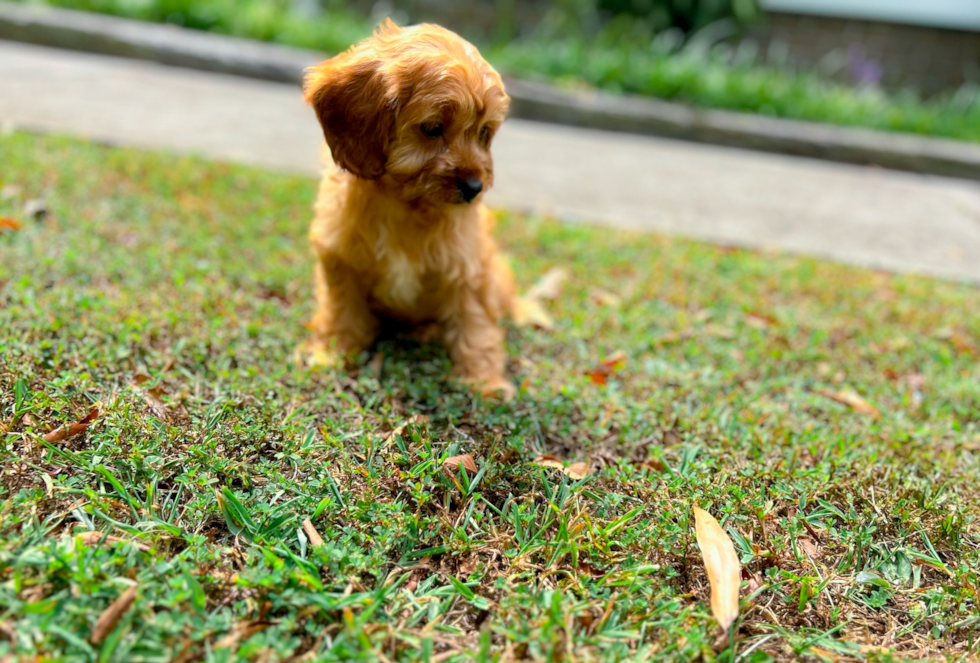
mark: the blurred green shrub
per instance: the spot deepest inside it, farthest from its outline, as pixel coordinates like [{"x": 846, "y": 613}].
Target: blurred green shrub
[
  {"x": 688, "y": 16},
  {"x": 579, "y": 45},
  {"x": 265, "y": 20},
  {"x": 710, "y": 74},
  {"x": 649, "y": 17}
]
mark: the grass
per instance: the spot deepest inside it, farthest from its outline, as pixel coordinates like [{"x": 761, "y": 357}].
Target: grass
[
  {"x": 169, "y": 293},
  {"x": 621, "y": 57}
]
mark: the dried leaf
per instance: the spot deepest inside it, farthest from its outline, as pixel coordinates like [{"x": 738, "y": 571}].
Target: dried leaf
[
  {"x": 721, "y": 563},
  {"x": 575, "y": 471},
  {"x": 673, "y": 337},
  {"x": 110, "y": 617},
  {"x": 915, "y": 381},
  {"x": 153, "y": 396},
  {"x": 8, "y": 191},
  {"x": 311, "y": 533},
  {"x": 852, "y": 400},
  {"x": 604, "y": 297},
  {"x": 415, "y": 419},
  {"x": 601, "y": 378},
  {"x": 963, "y": 344},
  {"x": 36, "y": 208},
  {"x": 451, "y": 464},
  {"x": 828, "y": 655},
  {"x": 528, "y": 312},
  {"x": 241, "y": 631},
  {"x": 94, "y": 538},
  {"x": 613, "y": 363},
  {"x": 760, "y": 320},
  {"x": 140, "y": 379},
  {"x": 91, "y": 538},
  {"x": 6, "y": 223},
  {"x": 808, "y": 547},
  {"x": 684, "y": 335},
  {"x": 652, "y": 464},
  {"x": 549, "y": 461},
  {"x": 71, "y": 430},
  {"x": 8, "y": 632},
  {"x": 616, "y": 360},
  {"x": 549, "y": 285}
]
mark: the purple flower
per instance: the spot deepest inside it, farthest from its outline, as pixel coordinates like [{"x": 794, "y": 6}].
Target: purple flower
[{"x": 863, "y": 70}]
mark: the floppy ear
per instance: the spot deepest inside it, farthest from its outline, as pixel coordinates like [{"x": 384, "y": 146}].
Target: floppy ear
[{"x": 350, "y": 97}]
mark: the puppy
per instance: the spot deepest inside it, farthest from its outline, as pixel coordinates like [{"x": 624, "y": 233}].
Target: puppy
[{"x": 400, "y": 232}]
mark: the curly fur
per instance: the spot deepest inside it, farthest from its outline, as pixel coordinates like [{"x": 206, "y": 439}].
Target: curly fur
[{"x": 393, "y": 234}]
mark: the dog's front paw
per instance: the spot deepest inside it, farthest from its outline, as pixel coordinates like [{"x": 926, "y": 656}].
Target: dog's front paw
[
  {"x": 495, "y": 389},
  {"x": 311, "y": 354}
]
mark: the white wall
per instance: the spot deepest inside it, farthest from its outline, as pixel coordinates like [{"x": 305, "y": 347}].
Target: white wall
[{"x": 960, "y": 14}]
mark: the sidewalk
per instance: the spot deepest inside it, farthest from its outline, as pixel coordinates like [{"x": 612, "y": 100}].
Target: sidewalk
[{"x": 892, "y": 220}]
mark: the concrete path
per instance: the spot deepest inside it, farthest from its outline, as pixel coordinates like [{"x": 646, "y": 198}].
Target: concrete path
[{"x": 880, "y": 218}]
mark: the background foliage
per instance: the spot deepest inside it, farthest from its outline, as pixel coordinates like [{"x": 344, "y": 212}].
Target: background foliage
[{"x": 579, "y": 45}]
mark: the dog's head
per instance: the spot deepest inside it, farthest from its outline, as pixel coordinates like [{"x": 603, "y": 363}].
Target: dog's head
[{"x": 415, "y": 108}]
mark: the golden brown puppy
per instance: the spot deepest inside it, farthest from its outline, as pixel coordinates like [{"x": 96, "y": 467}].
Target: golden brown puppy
[{"x": 400, "y": 231}]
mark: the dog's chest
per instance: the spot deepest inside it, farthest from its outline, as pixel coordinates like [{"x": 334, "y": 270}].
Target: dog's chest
[{"x": 401, "y": 281}]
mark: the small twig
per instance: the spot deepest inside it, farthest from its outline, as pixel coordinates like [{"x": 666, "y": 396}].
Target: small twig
[
  {"x": 110, "y": 617},
  {"x": 315, "y": 539}
]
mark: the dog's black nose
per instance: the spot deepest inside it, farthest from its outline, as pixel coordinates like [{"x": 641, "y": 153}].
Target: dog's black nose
[{"x": 469, "y": 188}]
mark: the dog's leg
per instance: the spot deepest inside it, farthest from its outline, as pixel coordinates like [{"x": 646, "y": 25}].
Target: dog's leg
[
  {"x": 503, "y": 286},
  {"x": 476, "y": 343},
  {"x": 343, "y": 324}
]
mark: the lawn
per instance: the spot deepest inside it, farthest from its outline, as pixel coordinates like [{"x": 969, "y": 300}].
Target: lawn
[{"x": 827, "y": 416}]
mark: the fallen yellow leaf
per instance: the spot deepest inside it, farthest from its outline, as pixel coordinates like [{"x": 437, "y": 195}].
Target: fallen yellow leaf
[
  {"x": 760, "y": 320},
  {"x": 451, "y": 464},
  {"x": 549, "y": 461},
  {"x": 549, "y": 285},
  {"x": 852, "y": 400},
  {"x": 528, "y": 312},
  {"x": 808, "y": 547},
  {"x": 604, "y": 297},
  {"x": 721, "y": 563},
  {"x": 578, "y": 471},
  {"x": 575, "y": 471}
]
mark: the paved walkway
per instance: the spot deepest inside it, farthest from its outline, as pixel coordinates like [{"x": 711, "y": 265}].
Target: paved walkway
[{"x": 865, "y": 216}]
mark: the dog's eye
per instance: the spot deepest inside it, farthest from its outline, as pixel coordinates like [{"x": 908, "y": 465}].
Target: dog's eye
[
  {"x": 484, "y": 134},
  {"x": 432, "y": 129}
]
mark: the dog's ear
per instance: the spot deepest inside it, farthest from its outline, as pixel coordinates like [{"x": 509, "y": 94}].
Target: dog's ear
[{"x": 350, "y": 96}]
